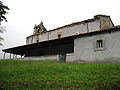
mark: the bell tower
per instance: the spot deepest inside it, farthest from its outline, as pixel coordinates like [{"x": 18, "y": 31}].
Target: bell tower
[{"x": 39, "y": 28}]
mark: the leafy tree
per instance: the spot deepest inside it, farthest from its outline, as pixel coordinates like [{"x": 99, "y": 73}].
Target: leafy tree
[{"x": 3, "y": 12}]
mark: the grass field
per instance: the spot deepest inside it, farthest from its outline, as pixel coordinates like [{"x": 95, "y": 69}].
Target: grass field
[{"x": 50, "y": 75}]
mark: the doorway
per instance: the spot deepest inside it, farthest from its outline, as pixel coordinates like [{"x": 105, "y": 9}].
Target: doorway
[{"x": 62, "y": 57}]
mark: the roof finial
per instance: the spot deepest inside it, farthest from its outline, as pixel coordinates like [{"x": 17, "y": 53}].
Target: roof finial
[
  {"x": 39, "y": 28},
  {"x": 41, "y": 23}
]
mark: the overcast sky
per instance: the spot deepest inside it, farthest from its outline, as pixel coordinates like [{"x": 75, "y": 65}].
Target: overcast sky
[{"x": 24, "y": 14}]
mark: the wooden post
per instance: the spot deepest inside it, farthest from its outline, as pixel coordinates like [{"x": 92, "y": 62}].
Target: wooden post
[
  {"x": 4, "y": 55},
  {"x": 13, "y": 56},
  {"x": 16, "y": 56},
  {"x": 10, "y": 55}
]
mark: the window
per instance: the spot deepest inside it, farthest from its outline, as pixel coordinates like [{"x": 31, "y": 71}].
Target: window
[
  {"x": 37, "y": 41},
  {"x": 59, "y": 36},
  {"x": 99, "y": 44}
]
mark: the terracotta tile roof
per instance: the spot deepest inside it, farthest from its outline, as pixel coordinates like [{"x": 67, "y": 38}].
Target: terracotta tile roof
[
  {"x": 114, "y": 28},
  {"x": 117, "y": 26}
]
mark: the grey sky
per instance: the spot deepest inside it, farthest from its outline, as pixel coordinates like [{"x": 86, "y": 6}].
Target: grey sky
[{"x": 24, "y": 14}]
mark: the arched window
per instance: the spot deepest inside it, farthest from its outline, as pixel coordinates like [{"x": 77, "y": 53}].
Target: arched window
[{"x": 59, "y": 36}]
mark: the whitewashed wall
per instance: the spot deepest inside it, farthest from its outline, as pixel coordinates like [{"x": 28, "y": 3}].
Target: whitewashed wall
[
  {"x": 94, "y": 26},
  {"x": 84, "y": 48}
]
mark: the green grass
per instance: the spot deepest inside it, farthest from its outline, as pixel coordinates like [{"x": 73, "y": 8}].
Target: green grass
[{"x": 50, "y": 75}]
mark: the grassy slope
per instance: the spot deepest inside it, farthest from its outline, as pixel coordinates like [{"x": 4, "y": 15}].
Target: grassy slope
[{"x": 56, "y": 75}]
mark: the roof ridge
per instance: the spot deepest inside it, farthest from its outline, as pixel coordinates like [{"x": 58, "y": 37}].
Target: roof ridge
[{"x": 81, "y": 22}]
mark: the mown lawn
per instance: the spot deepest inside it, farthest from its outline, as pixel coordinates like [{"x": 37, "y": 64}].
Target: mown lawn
[{"x": 50, "y": 75}]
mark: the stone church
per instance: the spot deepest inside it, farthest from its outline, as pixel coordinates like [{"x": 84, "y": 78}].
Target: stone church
[{"x": 95, "y": 39}]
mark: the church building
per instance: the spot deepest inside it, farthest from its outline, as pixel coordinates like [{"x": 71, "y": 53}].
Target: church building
[{"x": 95, "y": 39}]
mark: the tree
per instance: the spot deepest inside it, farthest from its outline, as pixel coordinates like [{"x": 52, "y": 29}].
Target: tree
[{"x": 3, "y": 12}]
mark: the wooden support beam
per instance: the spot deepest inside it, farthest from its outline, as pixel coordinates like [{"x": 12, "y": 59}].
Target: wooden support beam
[
  {"x": 16, "y": 56},
  {"x": 10, "y": 55},
  {"x": 4, "y": 55},
  {"x": 13, "y": 56}
]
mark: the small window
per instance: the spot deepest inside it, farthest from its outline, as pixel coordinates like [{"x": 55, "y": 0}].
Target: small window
[
  {"x": 37, "y": 41},
  {"x": 38, "y": 31},
  {"x": 99, "y": 44},
  {"x": 59, "y": 36}
]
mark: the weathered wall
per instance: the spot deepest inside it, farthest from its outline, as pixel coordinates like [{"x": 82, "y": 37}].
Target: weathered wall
[
  {"x": 105, "y": 23},
  {"x": 41, "y": 37},
  {"x": 70, "y": 57},
  {"x": 65, "y": 32},
  {"x": 96, "y": 24},
  {"x": 84, "y": 48}
]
